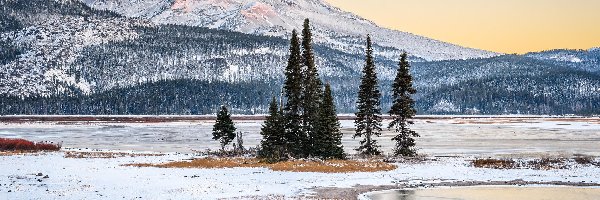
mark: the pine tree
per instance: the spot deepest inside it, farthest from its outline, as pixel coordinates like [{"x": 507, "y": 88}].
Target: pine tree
[
  {"x": 224, "y": 130},
  {"x": 312, "y": 90},
  {"x": 292, "y": 87},
  {"x": 272, "y": 146},
  {"x": 403, "y": 109},
  {"x": 328, "y": 140},
  {"x": 368, "y": 116}
]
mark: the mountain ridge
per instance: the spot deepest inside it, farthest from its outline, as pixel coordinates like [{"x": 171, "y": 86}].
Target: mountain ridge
[{"x": 279, "y": 17}]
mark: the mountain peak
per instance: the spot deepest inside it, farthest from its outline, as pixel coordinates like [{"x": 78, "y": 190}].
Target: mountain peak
[
  {"x": 331, "y": 26},
  {"x": 258, "y": 12},
  {"x": 182, "y": 5}
]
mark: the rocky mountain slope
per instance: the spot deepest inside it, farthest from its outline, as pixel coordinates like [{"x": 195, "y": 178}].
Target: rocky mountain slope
[{"x": 333, "y": 27}]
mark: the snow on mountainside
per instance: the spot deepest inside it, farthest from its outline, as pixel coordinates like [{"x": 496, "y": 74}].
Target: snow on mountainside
[
  {"x": 50, "y": 41},
  {"x": 588, "y": 60},
  {"x": 46, "y": 47},
  {"x": 332, "y": 26}
]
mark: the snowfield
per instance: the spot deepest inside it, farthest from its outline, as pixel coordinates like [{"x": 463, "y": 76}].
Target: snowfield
[
  {"x": 448, "y": 143},
  {"x": 73, "y": 178}
]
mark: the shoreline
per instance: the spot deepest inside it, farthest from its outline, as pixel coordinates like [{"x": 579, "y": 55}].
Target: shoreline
[
  {"x": 360, "y": 192},
  {"x": 187, "y": 118},
  {"x": 518, "y": 184}
]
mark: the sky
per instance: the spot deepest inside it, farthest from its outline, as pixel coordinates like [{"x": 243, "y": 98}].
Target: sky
[{"x": 504, "y": 26}]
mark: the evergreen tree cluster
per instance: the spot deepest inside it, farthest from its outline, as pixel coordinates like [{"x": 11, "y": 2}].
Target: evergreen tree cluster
[
  {"x": 307, "y": 126},
  {"x": 165, "y": 97},
  {"x": 8, "y": 22},
  {"x": 368, "y": 117},
  {"x": 8, "y": 52}
]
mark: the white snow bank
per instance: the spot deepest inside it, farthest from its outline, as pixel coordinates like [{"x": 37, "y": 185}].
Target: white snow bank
[{"x": 106, "y": 179}]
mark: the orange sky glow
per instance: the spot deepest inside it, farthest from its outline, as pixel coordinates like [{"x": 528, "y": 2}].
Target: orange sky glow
[{"x": 505, "y": 26}]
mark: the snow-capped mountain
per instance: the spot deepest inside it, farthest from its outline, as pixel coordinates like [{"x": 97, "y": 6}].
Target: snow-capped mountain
[{"x": 331, "y": 26}]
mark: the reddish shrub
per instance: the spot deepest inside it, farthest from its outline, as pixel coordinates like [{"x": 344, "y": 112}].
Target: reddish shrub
[
  {"x": 7, "y": 144},
  {"x": 47, "y": 147}
]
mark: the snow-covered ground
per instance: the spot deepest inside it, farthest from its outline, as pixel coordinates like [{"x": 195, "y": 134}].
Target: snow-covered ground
[
  {"x": 95, "y": 178},
  {"x": 72, "y": 178}
]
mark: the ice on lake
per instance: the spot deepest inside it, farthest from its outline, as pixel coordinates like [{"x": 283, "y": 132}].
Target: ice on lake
[{"x": 439, "y": 136}]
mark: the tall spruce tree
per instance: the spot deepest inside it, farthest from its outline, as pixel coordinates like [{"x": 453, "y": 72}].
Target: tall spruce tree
[
  {"x": 328, "y": 140},
  {"x": 312, "y": 89},
  {"x": 272, "y": 146},
  {"x": 295, "y": 137},
  {"x": 368, "y": 117},
  {"x": 224, "y": 130},
  {"x": 403, "y": 109}
]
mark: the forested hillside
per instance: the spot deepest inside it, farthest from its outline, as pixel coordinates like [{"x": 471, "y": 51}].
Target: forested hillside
[{"x": 62, "y": 57}]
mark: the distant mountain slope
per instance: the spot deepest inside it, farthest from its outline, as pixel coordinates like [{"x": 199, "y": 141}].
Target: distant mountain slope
[
  {"x": 506, "y": 84},
  {"x": 333, "y": 27},
  {"x": 61, "y": 57},
  {"x": 588, "y": 60}
]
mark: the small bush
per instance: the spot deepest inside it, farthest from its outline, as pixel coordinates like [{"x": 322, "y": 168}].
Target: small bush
[
  {"x": 586, "y": 160},
  {"x": 537, "y": 164},
  {"x": 495, "y": 163},
  {"x": 7, "y": 144},
  {"x": 246, "y": 152},
  {"x": 548, "y": 163}
]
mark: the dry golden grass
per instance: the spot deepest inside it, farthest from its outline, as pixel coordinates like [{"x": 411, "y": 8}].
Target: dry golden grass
[
  {"x": 75, "y": 154},
  {"x": 329, "y": 166},
  {"x": 333, "y": 166},
  {"x": 495, "y": 163},
  {"x": 537, "y": 164}
]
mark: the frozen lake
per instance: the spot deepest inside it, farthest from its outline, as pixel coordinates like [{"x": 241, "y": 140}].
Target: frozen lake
[{"x": 440, "y": 136}]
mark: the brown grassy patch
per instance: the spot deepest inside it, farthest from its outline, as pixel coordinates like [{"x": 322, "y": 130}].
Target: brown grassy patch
[
  {"x": 75, "y": 154},
  {"x": 538, "y": 164},
  {"x": 494, "y": 163},
  {"x": 329, "y": 166}
]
